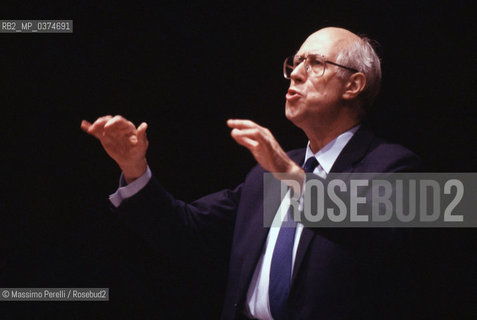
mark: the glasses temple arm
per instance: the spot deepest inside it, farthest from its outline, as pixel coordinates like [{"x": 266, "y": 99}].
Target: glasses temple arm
[{"x": 339, "y": 65}]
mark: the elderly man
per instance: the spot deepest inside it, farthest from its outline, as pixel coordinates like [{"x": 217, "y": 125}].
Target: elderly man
[{"x": 283, "y": 273}]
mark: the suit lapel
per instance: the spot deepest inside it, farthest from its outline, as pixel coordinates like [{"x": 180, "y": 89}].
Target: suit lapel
[
  {"x": 256, "y": 233},
  {"x": 306, "y": 236},
  {"x": 354, "y": 151}
]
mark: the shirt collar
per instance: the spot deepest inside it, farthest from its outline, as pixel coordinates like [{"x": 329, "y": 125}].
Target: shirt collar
[{"x": 327, "y": 155}]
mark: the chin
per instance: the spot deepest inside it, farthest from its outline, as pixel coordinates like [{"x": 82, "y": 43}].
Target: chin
[
  {"x": 290, "y": 111},
  {"x": 293, "y": 117}
]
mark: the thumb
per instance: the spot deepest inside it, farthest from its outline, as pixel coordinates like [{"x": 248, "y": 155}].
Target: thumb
[{"x": 141, "y": 132}]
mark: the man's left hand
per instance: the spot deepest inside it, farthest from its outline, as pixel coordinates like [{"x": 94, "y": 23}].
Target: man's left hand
[{"x": 265, "y": 148}]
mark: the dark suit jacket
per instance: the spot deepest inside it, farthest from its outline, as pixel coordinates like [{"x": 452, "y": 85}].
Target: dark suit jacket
[{"x": 338, "y": 273}]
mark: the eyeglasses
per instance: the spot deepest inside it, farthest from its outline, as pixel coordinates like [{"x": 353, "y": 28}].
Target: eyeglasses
[{"x": 314, "y": 62}]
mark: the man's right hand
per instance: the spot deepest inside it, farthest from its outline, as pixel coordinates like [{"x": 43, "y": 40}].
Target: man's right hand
[{"x": 123, "y": 142}]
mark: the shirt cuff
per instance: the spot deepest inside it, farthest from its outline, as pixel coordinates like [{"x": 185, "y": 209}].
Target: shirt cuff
[{"x": 126, "y": 191}]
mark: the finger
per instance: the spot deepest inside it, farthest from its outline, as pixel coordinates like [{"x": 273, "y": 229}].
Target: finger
[
  {"x": 119, "y": 123},
  {"x": 250, "y": 133},
  {"x": 244, "y": 140},
  {"x": 119, "y": 134},
  {"x": 97, "y": 127},
  {"x": 241, "y": 124},
  {"x": 119, "y": 127},
  {"x": 141, "y": 133},
  {"x": 119, "y": 130},
  {"x": 85, "y": 125}
]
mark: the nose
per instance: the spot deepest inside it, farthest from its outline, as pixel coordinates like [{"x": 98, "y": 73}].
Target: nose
[{"x": 299, "y": 73}]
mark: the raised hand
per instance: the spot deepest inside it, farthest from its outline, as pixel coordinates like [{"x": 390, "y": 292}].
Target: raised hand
[
  {"x": 123, "y": 142},
  {"x": 265, "y": 149}
]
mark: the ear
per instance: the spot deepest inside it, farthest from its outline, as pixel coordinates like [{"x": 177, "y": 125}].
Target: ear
[{"x": 354, "y": 86}]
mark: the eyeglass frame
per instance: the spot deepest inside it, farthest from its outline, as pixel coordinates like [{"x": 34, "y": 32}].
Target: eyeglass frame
[{"x": 308, "y": 67}]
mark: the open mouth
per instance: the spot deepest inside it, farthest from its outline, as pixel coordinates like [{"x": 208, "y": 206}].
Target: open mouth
[{"x": 292, "y": 94}]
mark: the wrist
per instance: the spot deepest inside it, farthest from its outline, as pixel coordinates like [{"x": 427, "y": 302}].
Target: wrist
[
  {"x": 297, "y": 173},
  {"x": 133, "y": 171},
  {"x": 293, "y": 176}
]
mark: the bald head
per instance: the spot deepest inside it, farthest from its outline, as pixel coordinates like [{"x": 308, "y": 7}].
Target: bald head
[{"x": 330, "y": 39}]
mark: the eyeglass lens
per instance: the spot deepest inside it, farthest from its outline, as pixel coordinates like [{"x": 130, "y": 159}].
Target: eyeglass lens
[{"x": 313, "y": 63}]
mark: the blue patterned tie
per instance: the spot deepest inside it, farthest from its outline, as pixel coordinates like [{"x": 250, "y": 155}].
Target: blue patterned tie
[{"x": 280, "y": 269}]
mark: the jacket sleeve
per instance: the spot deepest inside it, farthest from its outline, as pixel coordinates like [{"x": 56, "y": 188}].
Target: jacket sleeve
[{"x": 167, "y": 224}]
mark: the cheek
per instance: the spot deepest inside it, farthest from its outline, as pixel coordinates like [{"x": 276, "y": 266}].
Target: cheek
[
  {"x": 322, "y": 98},
  {"x": 315, "y": 99}
]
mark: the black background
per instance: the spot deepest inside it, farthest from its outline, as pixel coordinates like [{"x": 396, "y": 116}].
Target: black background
[{"x": 186, "y": 67}]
